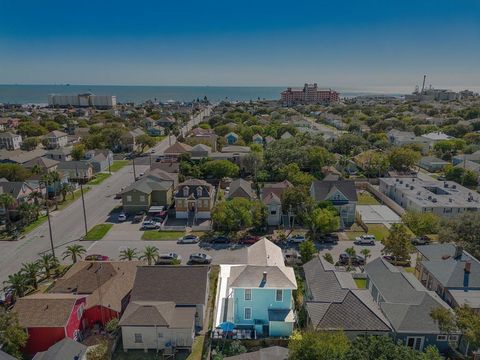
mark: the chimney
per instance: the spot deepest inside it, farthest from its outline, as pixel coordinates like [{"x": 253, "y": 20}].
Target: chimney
[
  {"x": 468, "y": 265},
  {"x": 264, "y": 279},
  {"x": 466, "y": 275},
  {"x": 458, "y": 252}
]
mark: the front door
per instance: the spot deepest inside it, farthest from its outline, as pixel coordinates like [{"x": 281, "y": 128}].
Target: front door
[{"x": 415, "y": 342}]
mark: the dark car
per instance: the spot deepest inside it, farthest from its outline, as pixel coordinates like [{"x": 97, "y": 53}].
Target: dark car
[
  {"x": 329, "y": 238},
  {"x": 398, "y": 262},
  {"x": 221, "y": 239},
  {"x": 357, "y": 260},
  {"x": 249, "y": 239},
  {"x": 138, "y": 217},
  {"x": 200, "y": 258},
  {"x": 96, "y": 257},
  {"x": 421, "y": 240}
]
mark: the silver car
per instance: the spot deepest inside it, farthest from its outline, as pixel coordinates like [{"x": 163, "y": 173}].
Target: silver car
[
  {"x": 168, "y": 259},
  {"x": 188, "y": 239},
  {"x": 200, "y": 258}
]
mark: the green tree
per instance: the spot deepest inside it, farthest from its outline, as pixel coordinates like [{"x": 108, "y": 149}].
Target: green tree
[
  {"x": 296, "y": 199},
  {"x": 319, "y": 157},
  {"x": 14, "y": 172},
  {"x": 65, "y": 188},
  {"x": 12, "y": 336},
  {"x": 347, "y": 144},
  {"x": 463, "y": 176},
  {"x": 421, "y": 223},
  {"x": 78, "y": 152},
  {"x": 351, "y": 255},
  {"x": 47, "y": 263},
  {"x": 329, "y": 258},
  {"x": 307, "y": 251},
  {"x": 463, "y": 230},
  {"x": 145, "y": 140},
  {"x": 293, "y": 174},
  {"x": 366, "y": 253},
  {"x": 403, "y": 158},
  {"x": 30, "y": 129},
  {"x": 7, "y": 201},
  {"x": 31, "y": 272},
  {"x": 128, "y": 254},
  {"x": 321, "y": 221},
  {"x": 259, "y": 215},
  {"x": 51, "y": 125},
  {"x": 397, "y": 243},
  {"x": 74, "y": 252},
  {"x": 30, "y": 143},
  {"x": 99, "y": 351},
  {"x": 219, "y": 169},
  {"x": 18, "y": 283},
  {"x": 232, "y": 215},
  {"x": 150, "y": 254},
  {"x": 316, "y": 345},
  {"x": 376, "y": 164}
]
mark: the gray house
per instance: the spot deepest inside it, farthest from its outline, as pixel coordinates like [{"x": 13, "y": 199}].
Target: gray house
[
  {"x": 100, "y": 159},
  {"x": 65, "y": 349},
  {"x": 167, "y": 306},
  {"x": 342, "y": 194},
  {"x": 241, "y": 188},
  {"x": 333, "y": 302},
  {"x": 407, "y": 306},
  {"x": 432, "y": 163}
]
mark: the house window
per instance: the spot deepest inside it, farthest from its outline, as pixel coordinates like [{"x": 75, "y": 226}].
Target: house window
[
  {"x": 199, "y": 191},
  {"x": 279, "y": 295},
  {"x": 273, "y": 212},
  {"x": 138, "y": 338},
  {"x": 248, "y": 294},
  {"x": 247, "y": 313},
  {"x": 415, "y": 342},
  {"x": 453, "y": 337},
  {"x": 442, "y": 337},
  {"x": 160, "y": 335},
  {"x": 80, "y": 310},
  {"x": 129, "y": 198},
  {"x": 142, "y": 198}
]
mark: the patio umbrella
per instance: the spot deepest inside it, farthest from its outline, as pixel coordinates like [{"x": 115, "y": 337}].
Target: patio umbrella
[{"x": 227, "y": 326}]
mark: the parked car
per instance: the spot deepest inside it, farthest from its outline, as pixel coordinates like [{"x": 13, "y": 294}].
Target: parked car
[
  {"x": 150, "y": 225},
  {"x": 152, "y": 151},
  {"x": 329, "y": 238},
  {"x": 7, "y": 297},
  {"x": 122, "y": 217},
  {"x": 365, "y": 240},
  {"x": 220, "y": 239},
  {"x": 188, "y": 239},
  {"x": 344, "y": 258},
  {"x": 138, "y": 217},
  {"x": 296, "y": 239},
  {"x": 96, "y": 257},
  {"x": 292, "y": 257},
  {"x": 399, "y": 262},
  {"x": 421, "y": 240},
  {"x": 200, "y": 258},
  {"x": 168, "y": 259},
  {"x": 249, "y": 239}
]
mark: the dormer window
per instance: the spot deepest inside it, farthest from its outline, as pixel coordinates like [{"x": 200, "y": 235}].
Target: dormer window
[
  {"x": 199, "y": 192},
  {"x": 185, "y": 191}
]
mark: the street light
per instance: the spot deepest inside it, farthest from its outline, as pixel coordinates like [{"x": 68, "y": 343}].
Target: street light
[
  {"x": 83, "y": 199},
  {"x": 48, "y": 218}
]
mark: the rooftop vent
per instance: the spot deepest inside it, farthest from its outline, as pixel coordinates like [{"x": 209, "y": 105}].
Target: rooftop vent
[
  {"x": 434, "y": 200},
  {"x": 412, "y": 187},
  {"x": 445, "y": 184}
]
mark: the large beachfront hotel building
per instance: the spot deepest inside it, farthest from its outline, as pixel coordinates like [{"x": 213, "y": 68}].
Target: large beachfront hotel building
[{"x": 309, "y": 94}]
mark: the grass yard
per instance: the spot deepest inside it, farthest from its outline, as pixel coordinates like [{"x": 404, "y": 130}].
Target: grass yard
[
  {"x": 379, "y": 230},
  {"x": 361, "y": 283},
  {"x": 118, "y": 164},
  {"x": 98, "y": 232},
  {"x": 365, "y": 198},
  {"x": 69, "y": 199},
  {"x": 409, "y": 269},
  {"x": 162, "y": 235},
  {"x": 34, "y": 225},
  {"x": 99, "y": 178}
]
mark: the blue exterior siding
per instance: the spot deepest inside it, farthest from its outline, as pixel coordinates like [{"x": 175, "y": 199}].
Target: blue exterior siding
[
  {"x": 262, "y": 300},
  {"x": 278, "y": 328},
  {"x": 428, "y": 340}
]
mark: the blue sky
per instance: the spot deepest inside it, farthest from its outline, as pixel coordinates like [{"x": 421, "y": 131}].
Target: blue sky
[{"x": 369, "y": 44}]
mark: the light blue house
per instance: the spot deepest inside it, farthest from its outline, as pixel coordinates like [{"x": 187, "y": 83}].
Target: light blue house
[
  {"x": 257, "y": 139},
  {"x": 258, "y": 296},
  {"x": 231, "y": 138}
]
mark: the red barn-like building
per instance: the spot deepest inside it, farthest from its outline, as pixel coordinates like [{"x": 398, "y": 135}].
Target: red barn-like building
[
  {"x": 106, "y": 286},
  {"x": 48, "y": 318}
]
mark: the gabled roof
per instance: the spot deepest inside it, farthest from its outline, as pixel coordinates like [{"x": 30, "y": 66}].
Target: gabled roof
[
  {"x": 106, "y": 283},
  {"x": 236, "y": 149},
  {"x": 178, "y": 148},
  {"x": 232, "y": 134},
  {"x": 8, "y": 135},
  {"x": 5, "y": 356},
  {"x": 14, "y": 188},
  {"x": 321, "y": 189},
  {"x": 55, "y": 134},
  {"x": 65, "y": 349},
  {"x": 275, "y": 188},
  {"x": 200, "y": 147},
  {"x": 73, "y": 165},
  {"x": 42, "y": 161},
  {"x": 45, "y": 310},
  {"x": 183, "y": 285},
  {"x": 241, "y": 188},
  {"x": 252, "y": 276},
  {"x": 155, "y": 180},
  {"x": 265, "y": 253},
  {"x": 193, "y": 185},
  {"x": 158, "y": 313}
]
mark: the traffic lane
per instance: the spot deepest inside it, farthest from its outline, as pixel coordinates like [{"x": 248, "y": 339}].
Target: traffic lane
[{"x": 336, "y": 249}]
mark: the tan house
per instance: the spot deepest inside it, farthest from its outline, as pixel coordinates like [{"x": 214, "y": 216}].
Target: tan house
[
  {"x": 55, "y": 139},
  {"x": 176, "y": 150},
  {"x": 194, "y": 198},
  {"x": 155, "y": 189},
  {"x": 203, "y": 136}
]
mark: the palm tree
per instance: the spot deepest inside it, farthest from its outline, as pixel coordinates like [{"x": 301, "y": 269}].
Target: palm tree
[
  {"x": 150, "y": 254},
  {"x": 47, "y": 263},
  {"x": 74, "y": 252},
  {"x": 65, "y": 188},
  {"x": 18, "y": 283},
  {"x": 128, "y": 254},
  {"x": 351, "y": 254},
  {"x": 31, "y": 270},
  {"x": 36, "y": 169},
  {"x": 7, "y": 201},
  {"x": 366, "y": 254},
  {"x": 27, "y": 212}
]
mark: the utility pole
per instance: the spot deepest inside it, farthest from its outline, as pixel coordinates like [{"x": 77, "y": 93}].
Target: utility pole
[
  {"x": 49, "y": 223},
  {"x": 83, "y": 201},
  {"x": 109, "y": 170},
  {"x": 134, "y": 174}
]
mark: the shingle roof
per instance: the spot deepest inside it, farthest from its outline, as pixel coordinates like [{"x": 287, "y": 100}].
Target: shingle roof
[
  {"x": 73, "y": 165},
  {"x": 184, "y": 285},
  {"x": 251, "y": 276},
  {"x": 276, "y": 188},
  {"x": 200, "y": 147},
  {"x": 157, "y": 313},
  {"x": 241, "y": 188},
  {"x": 265, "y": 253},
  {"x": 8, "y": 135},
  {"x": 193, "y": 185},
  {"x": 55, "y": 134},
  {"x": 269, "y": 353},
  {"x": 45, "y": 310},
  {"x": 235, "y": 149},
  {"x": 43, "y": 162},
  {"x": 13, "y": 188},
  {"x": 113, "y": 278},
  {"x": 5, "y": 356},
  {"x": 65, "y": 349},
  {"x": 322, "y": 188},
  {"x": 178, "y": 148}
]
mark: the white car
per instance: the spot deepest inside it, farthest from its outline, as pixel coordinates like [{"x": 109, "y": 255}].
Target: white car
[
  {"x": 189, "y": 239},
  {"x": 296, "y": 238},
  {"x": 365, "y": 240},
  {"x": 152, "y": 151},
  {"x": 122, "y": 217},
  {"x": 150, "y": 225}
]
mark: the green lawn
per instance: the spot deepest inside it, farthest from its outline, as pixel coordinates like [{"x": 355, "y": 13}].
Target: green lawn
[
  {"x": 409, "y": 269},
  {"x": 361, "y": 283},
  {"x": 98, "y": 232},
  {"x": 197, "y": 348},
  {"x": 34, "y": 224},
  {"x": 379, "y": 230},
  {"x": 69, "y": 199},
  {"x": 118, "y": 164},
  {"x": 365, "y": 198},
  {"x": 99, "y": 178},
  {"x": 162, "y": 235}
]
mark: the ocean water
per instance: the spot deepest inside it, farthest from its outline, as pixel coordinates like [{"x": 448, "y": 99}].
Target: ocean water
[{"x": 38, "y": 94}]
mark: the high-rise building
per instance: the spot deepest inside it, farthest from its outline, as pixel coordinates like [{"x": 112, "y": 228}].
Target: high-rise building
[
  {"x": 83, "y": 100},
  {"x": 309, "y": 94}
]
